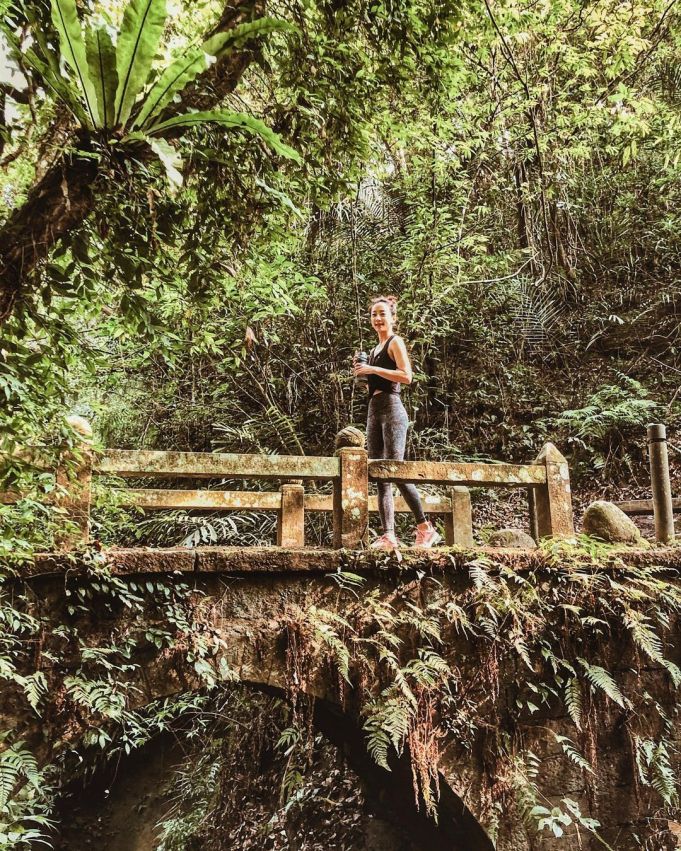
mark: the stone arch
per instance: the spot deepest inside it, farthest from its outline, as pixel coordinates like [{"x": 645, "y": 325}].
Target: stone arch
[
  {"x": 249, "y": 612},
  {"x": 389, "y": 794}
]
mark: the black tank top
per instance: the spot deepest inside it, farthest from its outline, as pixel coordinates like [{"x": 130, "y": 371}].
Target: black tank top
[{"x": 383, "y": 360}]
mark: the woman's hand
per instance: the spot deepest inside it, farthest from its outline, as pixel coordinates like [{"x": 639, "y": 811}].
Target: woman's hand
[{"x": 362, "y": 369}]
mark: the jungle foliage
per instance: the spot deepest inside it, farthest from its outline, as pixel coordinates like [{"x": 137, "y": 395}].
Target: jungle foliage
[
  {"x": 189, "y": 236},
  {"x": 510, "y": 174}
]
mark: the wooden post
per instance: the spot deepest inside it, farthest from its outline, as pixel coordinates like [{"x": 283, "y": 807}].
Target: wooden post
[
  {"x": 351, "y": 498},
  {"x": 663, "y": 510},
  {"x": 74, "y": 479},
  {"x": 459, "y": 521},
  {"x": 553, "y": 501},
  {"x": 291, "y": 520}
]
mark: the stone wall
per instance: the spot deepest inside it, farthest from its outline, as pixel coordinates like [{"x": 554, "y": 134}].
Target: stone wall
[{"x": 249, "y": 605}]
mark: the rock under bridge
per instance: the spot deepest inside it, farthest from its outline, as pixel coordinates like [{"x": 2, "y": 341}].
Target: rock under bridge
[{"x": 146, "y": 624}]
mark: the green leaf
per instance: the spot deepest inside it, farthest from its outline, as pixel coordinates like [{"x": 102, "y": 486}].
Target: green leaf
[
  {"x": 59, "y": 86},
  {"x": 138, "y": 40},
  {"x": 170, "y": 158},
  {"x": 65, "y": 20},
  {"x": 573, "y": 700},
  {"x": 234, "y": 120},
  {"x": 236, "y": 37},
  {"x": 101, "y": 60},
  {"x": 280, "y": 196},
  {"x": 172, "y": 81},
  {"x": 570, "y": 750},
  {"x": 601, "y": 679}
]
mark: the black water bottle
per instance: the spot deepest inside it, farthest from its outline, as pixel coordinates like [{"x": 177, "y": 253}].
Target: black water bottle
[{"x": 361, "y": 359}]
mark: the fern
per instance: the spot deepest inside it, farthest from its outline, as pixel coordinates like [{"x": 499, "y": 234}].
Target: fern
[
  {"x": 17, "y": 765},
  {"x": 323, "y": 623},
  {"x": 520, "y": 646},
  {"x": 98, "y": 696},
  {"x": 478, "y": 573},
  {"x": 573, "y": 700},
  {"x": 570, "y": 750},
  {"x": 429, "y": 669},
  {"x": 601, "y": 679},
  {"x": 655, "y": 770},
  {"x": 426, "y": 625},
  {"x": 399, "y": 675},
  {"x": 456, "y": 615},
  {"x": 524, "y": 785},
  {"x": 387, "y": 724},
  {"x": 283, "y": 426},
  {"x": 35, "y": 688},
  {"x": 644, "y": 637}
]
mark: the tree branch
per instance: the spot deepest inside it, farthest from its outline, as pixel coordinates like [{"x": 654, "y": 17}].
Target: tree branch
[{"x": 18, "y": 95}]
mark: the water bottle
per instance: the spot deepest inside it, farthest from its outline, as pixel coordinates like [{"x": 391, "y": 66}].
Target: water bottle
[{"x": 361, "y": 358}]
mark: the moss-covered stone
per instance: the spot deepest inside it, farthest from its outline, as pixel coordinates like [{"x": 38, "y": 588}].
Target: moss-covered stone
[
  {"x": 514, "y": 538},
  {"x": 606, "y": 521}
]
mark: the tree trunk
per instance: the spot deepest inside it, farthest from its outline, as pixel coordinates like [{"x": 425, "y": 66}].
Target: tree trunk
[
  {"x": 64, "y": 196},
  {"x": 59, "y": 202}
]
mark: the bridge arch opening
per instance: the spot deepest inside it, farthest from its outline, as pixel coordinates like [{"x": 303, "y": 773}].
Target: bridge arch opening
[{"x": 122, "y": 800}]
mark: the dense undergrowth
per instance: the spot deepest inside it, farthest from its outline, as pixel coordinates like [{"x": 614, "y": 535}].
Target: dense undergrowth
[{"x": 511, "y": 172}]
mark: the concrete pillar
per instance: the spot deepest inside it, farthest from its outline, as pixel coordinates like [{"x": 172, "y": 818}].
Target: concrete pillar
[
  {"x": 351, "y": 498},
  {"x": 291, "y": 520},
  {"x": 659, "y": 480},
  {"x": 459, "y": 522},
  {"x": 74, "y": 480},
  {"x": 553, "y": 501}
]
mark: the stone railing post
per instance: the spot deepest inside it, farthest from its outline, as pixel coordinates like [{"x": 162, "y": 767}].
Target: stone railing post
[
  {"x": 74, "y": 479},
  {"x": 291, "y": 519},
  {"x": 663, "y": 510},
  {"x": 531, "y": 504},
  {"x": 459, "y": 522},
  {"x": 553, "y": 501},
  {"x": 351, "y": 491}
]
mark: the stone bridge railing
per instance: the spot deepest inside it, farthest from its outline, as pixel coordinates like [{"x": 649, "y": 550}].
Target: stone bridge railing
[{"x": 547, "y": 482}]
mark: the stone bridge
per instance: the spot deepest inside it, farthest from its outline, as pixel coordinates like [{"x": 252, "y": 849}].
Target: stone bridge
[{"x": 147, "y": 624}]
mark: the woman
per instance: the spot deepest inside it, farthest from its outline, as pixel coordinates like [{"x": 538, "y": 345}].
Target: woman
[{"x": 387, "y": 422}]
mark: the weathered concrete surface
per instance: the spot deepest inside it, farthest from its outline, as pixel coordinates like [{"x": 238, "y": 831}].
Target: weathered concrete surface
[
  {"x": 606, "y": 521},
  {"x": 291, "y": 525},
  {"x": 459, "y": 522},
  {"x": 455, "y": 473},
  {"x": 350, "y": 436},
  {"x": 242, "y": 560},
  {"x": 553, "y": 504},
  {"x": 203, "y": 500},
  {"x": 249, "y": 600},
  {"x": 351, "y": 498},
  {"x": 214, "y": 465}
]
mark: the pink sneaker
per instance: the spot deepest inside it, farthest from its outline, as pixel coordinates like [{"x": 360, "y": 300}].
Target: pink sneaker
[
  {"x": 427, "y": 537},
  {"x": 388, "y": 541}
]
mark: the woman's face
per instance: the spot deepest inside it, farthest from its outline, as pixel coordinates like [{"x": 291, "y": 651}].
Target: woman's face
[{"x": 381, "y": 318}]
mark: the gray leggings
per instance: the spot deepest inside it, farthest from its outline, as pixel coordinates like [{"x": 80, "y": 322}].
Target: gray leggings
[{"x": 387, "y": 424}]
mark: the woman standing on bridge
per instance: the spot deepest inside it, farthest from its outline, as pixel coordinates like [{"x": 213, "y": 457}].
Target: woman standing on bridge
[{"x": 387, "y": 369}]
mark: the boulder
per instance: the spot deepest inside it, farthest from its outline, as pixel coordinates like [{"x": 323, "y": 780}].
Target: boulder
[
  {"x": 512, "y": 538},
  {"x": 606, "y": 521}
]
